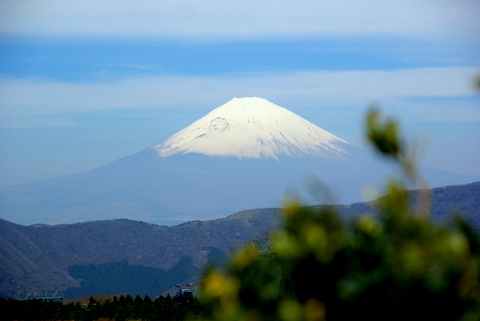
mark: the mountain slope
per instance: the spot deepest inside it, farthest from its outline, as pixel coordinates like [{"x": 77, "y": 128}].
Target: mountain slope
[
  {"x": 253, "y": 128},
  {"x": 248, "y": 153},
  {"x": 139, "y": 258}
]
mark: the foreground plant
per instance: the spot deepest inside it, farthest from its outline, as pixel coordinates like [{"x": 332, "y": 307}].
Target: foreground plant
[{"x": 396, "y": 264}]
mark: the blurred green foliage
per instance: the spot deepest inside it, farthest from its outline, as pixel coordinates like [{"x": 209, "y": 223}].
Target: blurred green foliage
[{"x": 398, "y": 265}]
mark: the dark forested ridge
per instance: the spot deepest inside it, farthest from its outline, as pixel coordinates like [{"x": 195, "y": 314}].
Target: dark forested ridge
[
  {"x": 124, "y": 307},
  {"x": 137, "y": 258}
]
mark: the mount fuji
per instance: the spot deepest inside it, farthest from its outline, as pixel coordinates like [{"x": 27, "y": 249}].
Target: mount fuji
[
  {"x": 248, "y": 153},
  {"x": 253, "y": 128}
]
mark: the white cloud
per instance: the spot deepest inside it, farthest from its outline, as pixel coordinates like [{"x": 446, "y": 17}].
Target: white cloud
[
  {"x": 39, "y": 97},
  {"x": 227, "y": 20}
]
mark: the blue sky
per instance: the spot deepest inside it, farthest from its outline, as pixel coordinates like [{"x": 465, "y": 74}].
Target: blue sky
[{"x": 84, "y": 83}]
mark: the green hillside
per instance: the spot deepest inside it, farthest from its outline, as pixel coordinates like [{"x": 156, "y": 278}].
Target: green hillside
[{"x": 124, "y": 256}]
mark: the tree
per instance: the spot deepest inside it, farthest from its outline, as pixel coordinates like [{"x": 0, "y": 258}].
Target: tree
[{"x": 397, "y": 265}]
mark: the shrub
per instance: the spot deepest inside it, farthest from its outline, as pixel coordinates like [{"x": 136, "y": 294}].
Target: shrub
[{"x": 394, "y": 265}]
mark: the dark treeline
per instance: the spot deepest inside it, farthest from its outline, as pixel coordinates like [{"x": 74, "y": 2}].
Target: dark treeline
[{"x": 118, "y": 309}]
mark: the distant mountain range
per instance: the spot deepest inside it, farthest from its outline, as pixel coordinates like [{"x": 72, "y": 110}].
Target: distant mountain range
[
  {"x": 124, "y": 256},
  {"x": 247, "y": 153}
]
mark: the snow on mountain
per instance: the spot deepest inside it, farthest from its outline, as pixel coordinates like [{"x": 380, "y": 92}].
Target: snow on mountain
[
  {"x": 253, "y": 128},
  {"x": 248, "y": 153}
]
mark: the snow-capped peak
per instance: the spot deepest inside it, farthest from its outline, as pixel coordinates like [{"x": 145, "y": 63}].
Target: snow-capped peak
[{"x": 252, "y": 128}]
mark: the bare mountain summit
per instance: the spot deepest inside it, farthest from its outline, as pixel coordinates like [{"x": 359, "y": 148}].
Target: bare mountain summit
[{"x": 253, "y": 128}]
